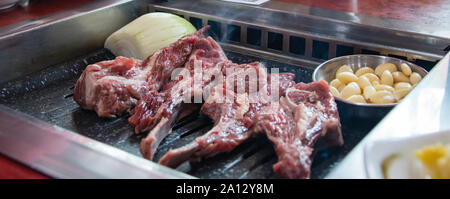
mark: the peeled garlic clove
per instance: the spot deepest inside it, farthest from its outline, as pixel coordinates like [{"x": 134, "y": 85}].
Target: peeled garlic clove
[
  {"x": 382, "y": 97},
  {"x": 363, "y": 71},
  {"x": 357, "y": 99},
  {"x": 336, "y": 83},
  {"x": 384, "y": 87},
  {"x": 344, "y": 68},
  {"x": 383, "y": 67},
  {"x": 346, "y": 77},
  {"x": 401, "y": 93},
  {"x": 415, "y": 78},
  {"x": 350, "y": 89},
  {"x": 341, "y": 87},
  {"x": 399, "y": 77},
  {"x": 376, "y": 83},
  {"x": 363, "y": 82},
  {"x": 369, "y": 91},
  {"x": 371, "y": 76},
  {"x": 387, "y": 78},
  {"x": 402, "y": 85},
  {"x": 406, "y": 69},
  {"x": 334, "y": 91}
]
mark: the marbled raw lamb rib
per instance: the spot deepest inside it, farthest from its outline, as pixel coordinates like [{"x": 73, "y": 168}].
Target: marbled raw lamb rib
[
  {"x": 306, "y": 114},
  {"x": 224, "y": 136},
  {"x": 158, "y": 112},
  {"x": 234, "y": 118},
  {"x": 113, "y": 87}
]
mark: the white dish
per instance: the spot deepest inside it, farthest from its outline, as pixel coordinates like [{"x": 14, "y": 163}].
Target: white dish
[{"x": 402, "y": 164}]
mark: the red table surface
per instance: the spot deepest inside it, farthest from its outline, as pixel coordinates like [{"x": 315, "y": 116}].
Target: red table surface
[
  {"x": 424, "y": 11},
  {"x": 10, "y": 169},
  {"x": 409, "y": 10}
]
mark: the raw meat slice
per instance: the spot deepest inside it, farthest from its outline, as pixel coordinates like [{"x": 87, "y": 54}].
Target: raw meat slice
[
  {"x": 234, "y": 118},
  {"x": 306, "y": 114},
  {"x": 158, "y": 114},
  {"x": 113, "y": 87}
]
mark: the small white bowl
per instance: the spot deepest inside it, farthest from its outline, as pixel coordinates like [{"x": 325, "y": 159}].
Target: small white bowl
[{"x": 403, "y": 165}]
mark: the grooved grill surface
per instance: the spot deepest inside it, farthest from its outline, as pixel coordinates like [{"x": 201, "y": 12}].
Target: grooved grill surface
[{"x": 47, "y": 95}]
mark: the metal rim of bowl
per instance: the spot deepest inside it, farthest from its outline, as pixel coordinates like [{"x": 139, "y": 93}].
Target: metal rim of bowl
[{"x": 362, "y": 55}]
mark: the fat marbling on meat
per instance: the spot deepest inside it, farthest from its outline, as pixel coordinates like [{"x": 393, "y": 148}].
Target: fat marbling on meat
[
  {"x": 158, "y": 112},
  {"x": 306, "y": 114},
  {"x": 234, "y": 113},
  {"x": 113, "y": 87},
  {"x": 294, "y": 123}
]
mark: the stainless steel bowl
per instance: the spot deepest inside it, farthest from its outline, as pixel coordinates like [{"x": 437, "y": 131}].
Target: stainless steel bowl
[{"x": 327, "y": 71}]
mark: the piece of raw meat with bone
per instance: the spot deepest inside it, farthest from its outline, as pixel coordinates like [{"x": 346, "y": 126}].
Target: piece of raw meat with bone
[
  {"x": 234, "y": 113},
  {"x": 158, "y": 112},
  {"x": 306, "y": 114},
  {"x": 113, "y": 87},
  {"x": 295, "y": 124}
]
